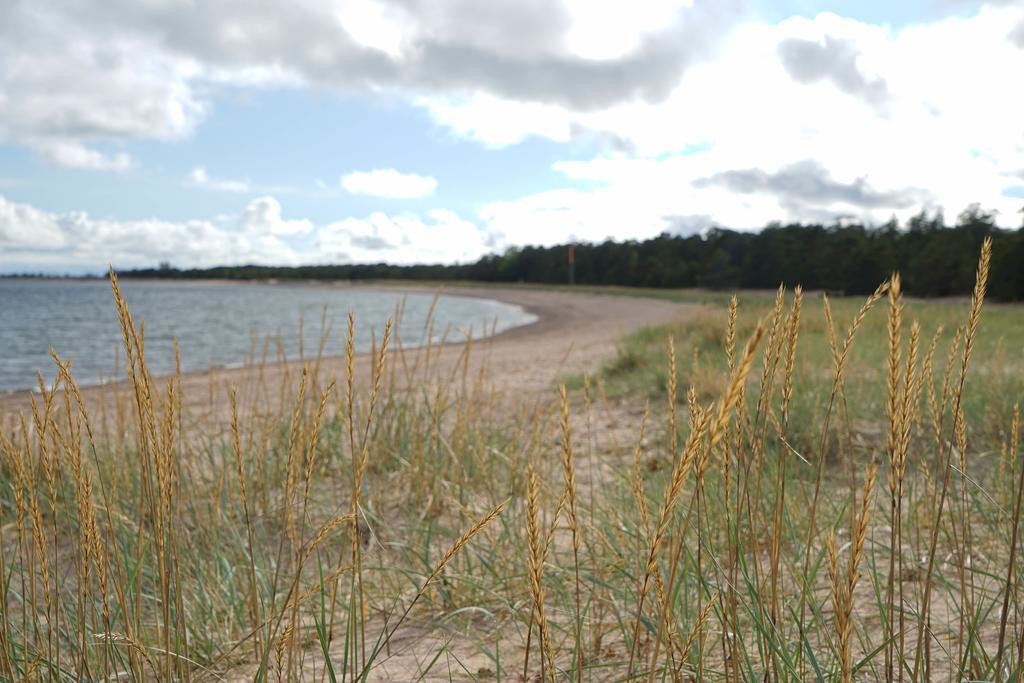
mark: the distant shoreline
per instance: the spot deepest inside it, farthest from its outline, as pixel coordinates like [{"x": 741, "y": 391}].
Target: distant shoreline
[
  {"x": 58, "y": 278},
  {"x": 573, "y": 332},
  {"x": 537, "y": 313}
]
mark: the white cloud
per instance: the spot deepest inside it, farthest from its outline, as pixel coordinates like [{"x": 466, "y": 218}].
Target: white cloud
[
  {"x": 66, "y": 83},
  {"x": 439, "y": 237},
  {"x": 31, "y": 238},
  {"x": 77, "y": 156},
  {"x": 389, "y": 183},
  {"x": 121, "y": 70},
  {"x": 711, "y": 117},
  {"x": 25, "y": 227},
  {"x": 198, "y": 177},
  {"x": 611, "y": 30},
  {"x": 496, "y": 122},
  {"x": 376, "y": 25},
  {"x": 883, "y": 123},
  {"x": 263, "y": 216}
]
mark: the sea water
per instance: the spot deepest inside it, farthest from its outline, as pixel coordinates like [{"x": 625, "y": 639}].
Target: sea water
[{"x": 216, "y": 324}]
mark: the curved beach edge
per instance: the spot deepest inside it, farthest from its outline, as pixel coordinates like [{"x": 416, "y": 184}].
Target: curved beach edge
[{"x": 572, "y": 332}]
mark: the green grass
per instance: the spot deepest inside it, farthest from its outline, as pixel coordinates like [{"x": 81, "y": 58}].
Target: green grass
[
  {"x": 640, "y": 367},
  {"x": 698, "y": 296},
  {"x": 714, "y": 544}
]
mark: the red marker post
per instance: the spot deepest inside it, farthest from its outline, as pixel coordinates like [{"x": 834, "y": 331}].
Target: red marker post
[{"x": 572, "y": 264}]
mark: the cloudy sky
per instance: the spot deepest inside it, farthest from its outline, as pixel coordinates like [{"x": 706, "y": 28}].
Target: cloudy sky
[{"x": 310, "y": 131}]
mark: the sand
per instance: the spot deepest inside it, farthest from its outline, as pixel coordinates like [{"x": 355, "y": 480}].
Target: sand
[{"x": 574, "y": 333}]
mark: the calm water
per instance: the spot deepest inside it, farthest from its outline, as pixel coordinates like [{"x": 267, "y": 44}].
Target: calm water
[{"x": 216, "y": 324}]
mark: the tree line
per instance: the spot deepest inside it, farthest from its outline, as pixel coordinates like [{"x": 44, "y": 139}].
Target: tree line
[{"x": 933, "y": 259}]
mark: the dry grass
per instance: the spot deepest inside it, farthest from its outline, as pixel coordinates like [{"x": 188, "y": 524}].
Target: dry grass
[{"x": 413, "y": 521}]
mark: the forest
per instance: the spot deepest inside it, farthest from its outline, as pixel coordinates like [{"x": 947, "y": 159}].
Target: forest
[{"x": 934, "y": 260}]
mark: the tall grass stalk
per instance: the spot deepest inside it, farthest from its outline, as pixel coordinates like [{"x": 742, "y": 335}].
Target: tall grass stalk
[{"x": 723, "y": 524}]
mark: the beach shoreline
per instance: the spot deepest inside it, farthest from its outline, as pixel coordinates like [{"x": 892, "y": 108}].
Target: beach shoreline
[{"x": 572, "y": 332}]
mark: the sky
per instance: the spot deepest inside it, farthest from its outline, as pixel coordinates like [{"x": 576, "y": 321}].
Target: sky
[{"x": 222, "y": 132}]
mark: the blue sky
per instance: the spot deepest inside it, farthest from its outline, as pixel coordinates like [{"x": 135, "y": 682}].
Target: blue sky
[
  {"x": 288, "y": 142},
  {"x": 373, "y": 130},
  {"x": 896, "y": 14}
]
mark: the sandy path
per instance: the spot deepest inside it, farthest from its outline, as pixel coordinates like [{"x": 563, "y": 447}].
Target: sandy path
[
  {"x": 574, "y": 333},
  {"x": 580, "y": 328}
]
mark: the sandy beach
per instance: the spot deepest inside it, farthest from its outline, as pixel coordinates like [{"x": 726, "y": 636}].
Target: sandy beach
[{"x": 574, "y": 332}]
